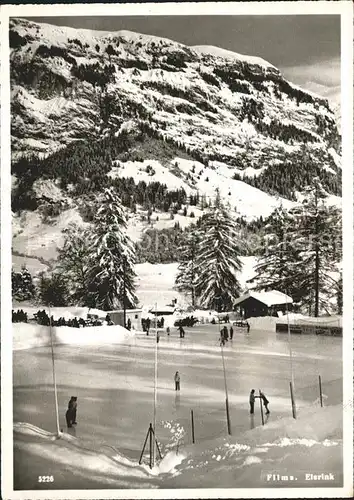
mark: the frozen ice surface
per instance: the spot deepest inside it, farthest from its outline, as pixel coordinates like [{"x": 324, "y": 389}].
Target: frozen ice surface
[{"x": 114, "y": 386}]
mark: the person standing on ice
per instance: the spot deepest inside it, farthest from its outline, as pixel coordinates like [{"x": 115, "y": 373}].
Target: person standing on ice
[
  {"x": 71, "y": 412},
  {"x": 265, "y": 402},
  {"x": 231, "y": 333},
  {"x": 73, "y": 406},
  {"x": 177, "y": 381},
  {"x": 68, "y": 417},
  {"x": 252, "y": 400},
  {"x": 181, "y": 331},
  {"x": 226, "y": 334}
]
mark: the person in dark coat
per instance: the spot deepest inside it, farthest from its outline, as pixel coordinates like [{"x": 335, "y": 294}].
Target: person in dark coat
[
  {"x": 231, "y": 332},
  {"x": 69, "y": 416},
  {"x": 71, "y": 413},
  {"x": 177, "y": 381},
  {"x": 181, "y": 331},
  {"x": 252, "y": 400},
  {"x": 248, "y": 327},
  {"x": 226, "y": 333},
  {"x": 265, "y": 402}
]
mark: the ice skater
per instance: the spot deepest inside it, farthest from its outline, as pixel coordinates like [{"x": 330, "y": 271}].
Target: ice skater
[
  {"x": 70, "y": 414},
  {"x": 231, "y": 333},
  {"x": 181, "y": 332},
  {"x": 252, "y": 400},
  {"x": 72, "y": 406},
  {"x": 248, "y": 327},
  {"x": 265, "y": 401},
  {"x": 177, "y": 381}
]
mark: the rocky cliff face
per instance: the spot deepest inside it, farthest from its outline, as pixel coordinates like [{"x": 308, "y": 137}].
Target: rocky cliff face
[{"x": 234, "y": 114}]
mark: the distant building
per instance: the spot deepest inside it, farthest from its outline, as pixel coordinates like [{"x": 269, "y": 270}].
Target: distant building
[
  {"x": 162, "y": 310},
  {"x": 133, "y": 314},
  {"x": 254, "y": 304}
]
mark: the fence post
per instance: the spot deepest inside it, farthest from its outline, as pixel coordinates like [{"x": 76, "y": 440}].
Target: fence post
[
  {"x": 261, "y": 406},
  {"x": 292, "y": 400},
  {"x": 320, "y": 384},
  {"x": 151, "y": 445},
  {"x": 228, "y": 417},
  {"x": 192, "y": 416}
]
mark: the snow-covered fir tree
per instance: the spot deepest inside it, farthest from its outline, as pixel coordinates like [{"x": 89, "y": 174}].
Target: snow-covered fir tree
[
  {"x": 187, "y": 272},
  {"x": 53, "y": 290},
  {"x": 276, "y": 269},
  {"x": 317, "y": 238},
  {"x": 111, "y": 258},
  {"x": 217, "y": 261},
  {"x": 22, "y": 285},
  {"x": 303, "y": 252}
]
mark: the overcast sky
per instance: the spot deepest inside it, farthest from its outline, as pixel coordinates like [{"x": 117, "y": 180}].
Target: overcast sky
[{"x": 305, "y": 48}]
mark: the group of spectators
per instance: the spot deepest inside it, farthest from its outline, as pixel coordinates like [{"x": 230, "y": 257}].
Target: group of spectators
[
  {"x": 188, "y": 321},
  {"x": 19, "y": 316},
  {"x": 42, "y": 318},
  {"x": 224, "y": 319}
]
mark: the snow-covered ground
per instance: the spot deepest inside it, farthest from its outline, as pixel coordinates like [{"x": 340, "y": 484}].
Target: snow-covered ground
[
  {"x": 229, "y": 462},
  {"x": 26, "y": 336},
  {"x": 115, "y": 385}
]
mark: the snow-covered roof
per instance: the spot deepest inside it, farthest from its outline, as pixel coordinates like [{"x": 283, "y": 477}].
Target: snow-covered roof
[
  {"x": 122, "y": 310},
  {"x": 271, "y": 298},
  {"x": 167, "y": 309}
]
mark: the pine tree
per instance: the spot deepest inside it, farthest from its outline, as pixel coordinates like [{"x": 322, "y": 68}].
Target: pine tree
[
  {"x": 303, "y": 252},
  {"x": 111, "y": 257},
  {"x": 22, "y": 285},
  {"x": 27, "y": 284},
  {"x": 217, "y": 261},
  {"x": 317, "y": 238},
  {"x": 53, "y": 290},
  {"x": 275, "y": 268}
]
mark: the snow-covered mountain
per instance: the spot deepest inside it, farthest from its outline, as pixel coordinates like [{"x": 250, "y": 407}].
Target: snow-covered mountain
[{"x": 195, "y": 118}]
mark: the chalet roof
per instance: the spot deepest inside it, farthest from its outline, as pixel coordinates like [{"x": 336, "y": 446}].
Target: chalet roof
[
  {"x": 271, "y": 298},
  {"x": 167, "y": 309}
]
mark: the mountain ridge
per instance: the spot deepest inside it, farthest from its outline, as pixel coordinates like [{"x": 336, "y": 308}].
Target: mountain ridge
[{"x": 237, "y": 119}]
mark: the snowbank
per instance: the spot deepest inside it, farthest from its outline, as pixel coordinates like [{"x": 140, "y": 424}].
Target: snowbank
[
  {"x": 269, "y": 322},
  {"x": 230, "y": 461},
  {"x": 26, "y": 335}
]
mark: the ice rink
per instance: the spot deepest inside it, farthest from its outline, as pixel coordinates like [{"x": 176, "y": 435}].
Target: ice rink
[{"x": 115, "y": 385}]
